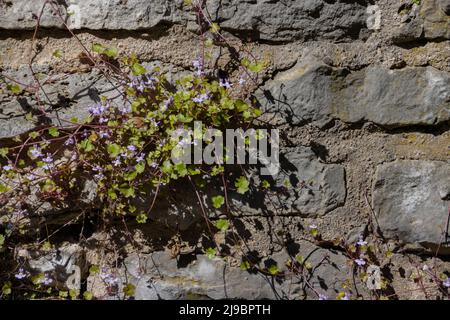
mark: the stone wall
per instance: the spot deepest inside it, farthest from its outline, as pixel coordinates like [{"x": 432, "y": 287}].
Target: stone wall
[{"x": 360, "y": 90}]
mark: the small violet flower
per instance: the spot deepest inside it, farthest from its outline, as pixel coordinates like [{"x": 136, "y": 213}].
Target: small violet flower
[
  {"x": 48, "y": 158},
  {"x": 36, "y": 152},
  {"x": 46, "y": 280},
  {"x": 360, "y": 262},
  {"x": 140, "y": 158},
  {"x": 225, "y": 83},
  {"x": 361, "y": 242},
  {"x": 22, "y": 274},
  {"x": 69, "y": 142},
  {"x": 446, "y": 283},
  {"x": 201, "y": 98},
  {"x": 116, "y": 162},
  {"x": 323, "y": 297},
  {"x": 132, "y": 148},
  {"x": 346, "y": 296}
]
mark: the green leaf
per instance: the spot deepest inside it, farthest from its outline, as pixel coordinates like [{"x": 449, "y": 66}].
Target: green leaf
[
  {"x": 73, "y": 294},
  {"x": 94, "y": 269},
  {"x": 2, "y": 240},
  {"x": 87, "y": 295},
  {"x": 181, "y": 169},
  {"x": 130, "y": 176},
  {"x": 241, "y": 106},
  {"x": 245, "y": 265},
  {"x": 98, "y": 48},
  {"x": 141, "y": 218},
  {"x": 214, "y": 27},
  {"x": 54, "y": 132},
  {"x": 265, "y": 184},
  {"x": 15, "y": 89},
  {"x": 273, "y": 270},
  {"x": 111, "y": 52},
  {"x": 138, "y": 69},
  {"x": 58, "y": 53},
  {"x": 4, "y": 152},
  {"x": 6, "y": 289},
  {"x": 211, "y": 253},
  {"x": 218, "y": 201},
  {"x": 222, "y": 224},
  {"x": 3, "y": 188},
  {"x": 129, "y": 290},
  {"x": 127, "y": 191},
  {"x": 242, "y": 185},
  {"x": 29, "y": 116},
  {"x": 140, "y": 167},
  {"x": 87, "y": 145},
  {"x": 113, "y": 150},
  {"x": 33, "y": 134},
  {"x": 112, "y": 194}
]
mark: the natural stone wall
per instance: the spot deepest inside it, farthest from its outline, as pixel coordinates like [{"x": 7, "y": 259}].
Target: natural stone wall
[{"x": 360, "y": 91}]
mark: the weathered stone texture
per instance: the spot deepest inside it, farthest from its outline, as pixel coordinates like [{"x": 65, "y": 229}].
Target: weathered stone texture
[
  {"x": 316, "y": 92},
  {"x": 411, "y": 200},
  {"x": 266, "y": 20}
]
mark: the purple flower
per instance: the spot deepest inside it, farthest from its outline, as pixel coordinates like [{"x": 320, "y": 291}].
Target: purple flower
[
  {"x": 140, "y": 158},
  {"x": 167, "y": 103},
  {"x": 313, "y": 226},
  {"x": 99, "y": 176},
  {"x": 103, "y": 120},
  {"x": 225, "y": 83},
  {"x": 97, "y": 168},
  {"x": 103, "y": 134},
  {"x": 46, "y": 280},
  {"x": 197, "y": 64},
  {"x": 125, "y": 109},
  {"x": 346, "y": 296},
  {"x": 201, "y": 98},
  {"x": 323, "y": 297},
  {"x": 446, "y": 283},
  {"x": 8, "y": 167},
  {"x": 69, "y": 142},
  {"x": 116, "y": 162},
  {"x": 242, "y": 81},
  {"x": 36, "y": 152},
  {"x": 109, "y": 278},
  {"x": 361, "y": 242},
  {"x": 48, "y": 158},
  {"x": 97, "y": 109},
  {"x": 22, "y": 274},
  {"x": 360, "y": 262},
  {"x": 132, "y": 148}
]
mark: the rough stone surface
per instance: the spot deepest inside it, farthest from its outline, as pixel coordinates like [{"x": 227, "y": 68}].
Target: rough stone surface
[
  {"x": 430, "y": 20},
  {"x": 266, "y": 20},
  {"x": 317, "y": 188},
  {"x": 411, "y": 199},
  {"x": 282, "y": 21},
  {"x": 64, "y": 265},
  {"x": 314, "y": 91},
  {"x": 63, "y": 97},
  {"x": 91, "y": 14},
  {"x": 160, "y": 276}
]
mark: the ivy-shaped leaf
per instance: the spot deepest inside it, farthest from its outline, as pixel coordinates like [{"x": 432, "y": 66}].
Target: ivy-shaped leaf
[
  {"x": 211, "y": 253},
  {"x": 242, "y": 185},
  {"x": 218, "y": 201},
  {"x": 222, "y": 224}
]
